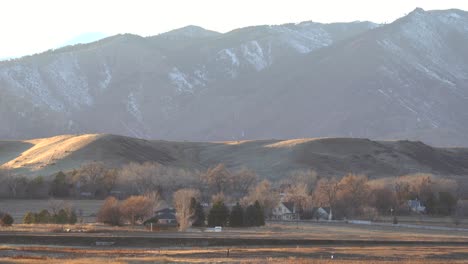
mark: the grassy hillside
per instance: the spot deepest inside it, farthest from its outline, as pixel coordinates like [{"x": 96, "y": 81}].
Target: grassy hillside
[{"x": 269, "y": 158}]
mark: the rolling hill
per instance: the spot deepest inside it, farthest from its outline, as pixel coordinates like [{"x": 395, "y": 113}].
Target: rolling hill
[{"x": 271, "y": 159}]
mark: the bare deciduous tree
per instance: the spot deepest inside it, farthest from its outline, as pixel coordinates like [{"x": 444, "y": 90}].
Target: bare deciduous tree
[
  {"x": 264, "y": 194},
  {"x": 110, "y": 212},
  {"x": 299, "y": 194},
  {"x": 218, "y": 178},
  {"x": 326, "y": 193},
  {"x": 137, "y": 208},
  {"x": 242, "y": 181},
  {"x": 354, "y": 193},
  {"x": 182, "y": 203},
  {"x": 15, "y": 184}
]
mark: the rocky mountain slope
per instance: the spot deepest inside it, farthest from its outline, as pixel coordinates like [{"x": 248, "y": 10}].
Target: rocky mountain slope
[
  {"x": 271, "y": 159},
  {"x": 407, "y": 79}
]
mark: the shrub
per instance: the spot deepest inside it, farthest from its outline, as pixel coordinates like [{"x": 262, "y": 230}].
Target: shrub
[
  {"x": 43, "y": 217},
  {"x": 110, "y": 212},
  {"x": 72, "y": 218},
  {"x": 6, "y": 220},
  {"x": 29, "y": 218}
]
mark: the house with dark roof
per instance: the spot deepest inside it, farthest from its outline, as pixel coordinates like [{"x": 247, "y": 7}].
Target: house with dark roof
[{"x": 164, "y": 219}]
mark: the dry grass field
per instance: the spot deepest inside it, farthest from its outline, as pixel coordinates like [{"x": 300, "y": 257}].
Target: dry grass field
[
  {"x": 415, "y": 253},
  {"x": 345, "y": 254}
]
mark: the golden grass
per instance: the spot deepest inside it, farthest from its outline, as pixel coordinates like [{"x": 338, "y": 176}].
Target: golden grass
[
  {"x": 45, "y": 151},
  {"x": 348, "y": 254},
  {"x": 290, "y": 143}
]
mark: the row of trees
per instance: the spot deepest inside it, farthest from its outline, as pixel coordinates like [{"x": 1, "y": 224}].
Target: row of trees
[
  {"x": 190, "y": 212},
  {"x": 63, "y": 216},
  {"x": 95, "y": 180},
  {"x": 355, "y": 195},
  {"x": 132, "y": 210},
  {"x": 350, "y": 196}
]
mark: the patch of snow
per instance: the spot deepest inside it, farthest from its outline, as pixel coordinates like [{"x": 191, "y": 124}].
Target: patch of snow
[
  {"x": 201, "y": 76},
  {"x": 68, "y": 81},
  {"x": 404, "y": 104},
  {"x": 454, "y": 15},
  {"x": 253, "y": 53},
  {"x": 179, "y": 79},
  {"x": 132, "y": 107},
  {"x": 434, "y": 75},
  {"x": 305, "y": 37},
  {"x": 230, "y": 54},
  {"x": 107, "y": 78},
  {"x": 26, "y": 81},
  {"x": 384, "y": 93}
]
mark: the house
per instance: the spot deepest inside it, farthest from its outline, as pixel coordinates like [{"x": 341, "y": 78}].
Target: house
[
  {"x": 164, "y": 219},
  {"x": 416, "y": 206},
  {"x": 320, "y": 213},
  {"x": 285, "y": 211}
]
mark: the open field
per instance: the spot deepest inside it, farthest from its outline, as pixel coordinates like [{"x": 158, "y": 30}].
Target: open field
[
  {"x": 275, "y": 243},
  {"x": 306, "y": 254}
]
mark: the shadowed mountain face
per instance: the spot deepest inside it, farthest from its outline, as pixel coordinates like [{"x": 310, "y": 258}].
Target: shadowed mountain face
[
  {"x": 407, "y": 79},
  {"x": 272, "y": 159}
]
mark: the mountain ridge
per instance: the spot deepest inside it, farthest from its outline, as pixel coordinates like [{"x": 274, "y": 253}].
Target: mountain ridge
[{"x": 285, "y": 81}]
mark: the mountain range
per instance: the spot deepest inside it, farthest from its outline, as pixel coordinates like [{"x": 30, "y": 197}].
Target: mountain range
[{"x": 403, "y": 80}]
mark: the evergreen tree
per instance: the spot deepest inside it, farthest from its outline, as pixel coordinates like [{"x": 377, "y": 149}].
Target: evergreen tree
[
  {"x": 218, "y": 215},
  {"x": 59, "y": 186},
  {"x": 260, "y": 217},
  {"x": 61, "y": 217},
  {"x": 254, "y": 215},
  {"x": 72, "y": 218},
  {"x": 236, "y": 218},
  {"x": 43, "y": 217},
  {"x": 250, "y": 216},
  {"x": 6, "y": 220},
  {"x": 198, "y": 218},
  {"x": 29, "y": 218}
]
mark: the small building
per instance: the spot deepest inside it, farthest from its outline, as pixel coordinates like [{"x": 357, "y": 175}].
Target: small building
[
  {"x": 416, "y": 206},
  {"x": 285, "y": 211},
  {"x": 321, "y": 213},
  {"x": 164, "y": 219}
]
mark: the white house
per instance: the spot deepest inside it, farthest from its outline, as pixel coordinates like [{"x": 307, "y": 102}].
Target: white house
[
  {"x": 285, "y": 211},
  {"x": 416, "y": 206}
]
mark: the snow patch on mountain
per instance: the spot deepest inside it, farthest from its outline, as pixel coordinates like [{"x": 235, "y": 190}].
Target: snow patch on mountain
[
  {"x": 233, "y": 63},
  {"x": 27, "y": 81},
  {"x": 70, "y": 83},
  {"x": 230, "y": 55},
  {"x": 132, "y": 107},
  {"x": 304, "y": 37},
  {"x": 104, "y": 83},
  {"x": 180, "y": 80},
  {"x": 253, "y": 53}
]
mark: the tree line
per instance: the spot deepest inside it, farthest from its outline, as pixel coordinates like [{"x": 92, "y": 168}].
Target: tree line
[{"x": 351, "y": 196}]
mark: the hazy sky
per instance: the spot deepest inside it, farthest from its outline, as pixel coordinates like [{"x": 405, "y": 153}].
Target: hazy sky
[{"x": 30, "y": 26}]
